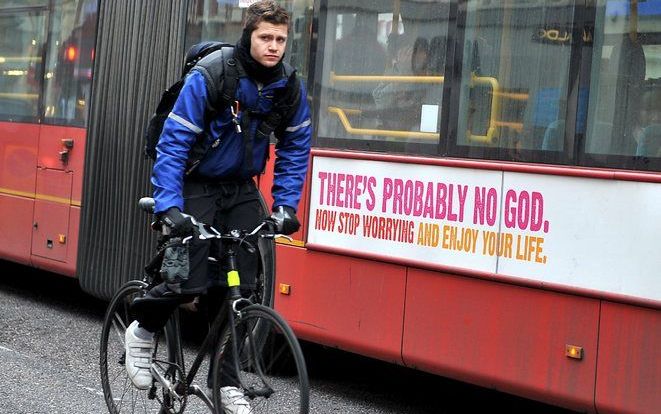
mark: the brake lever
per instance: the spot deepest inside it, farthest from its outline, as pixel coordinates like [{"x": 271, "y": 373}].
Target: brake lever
[{"x": 206, "y": 232}]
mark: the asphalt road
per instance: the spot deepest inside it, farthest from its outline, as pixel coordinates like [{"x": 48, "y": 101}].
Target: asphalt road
[{"x": 49, "y": 341}]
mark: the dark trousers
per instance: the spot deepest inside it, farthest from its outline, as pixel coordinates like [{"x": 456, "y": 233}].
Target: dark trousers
[{"x": 226, "y": 206}]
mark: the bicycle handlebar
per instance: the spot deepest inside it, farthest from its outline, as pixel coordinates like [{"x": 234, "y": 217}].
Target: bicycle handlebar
[{"x": 207, "y": 232}]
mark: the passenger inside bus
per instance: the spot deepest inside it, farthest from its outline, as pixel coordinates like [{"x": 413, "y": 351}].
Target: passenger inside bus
[
  {"x": 647, "y": 134},
  {"x": 400, "y": 104}
]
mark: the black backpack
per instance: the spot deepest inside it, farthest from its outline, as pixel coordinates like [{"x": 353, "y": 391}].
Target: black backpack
[{"x": 216, "y": 63}]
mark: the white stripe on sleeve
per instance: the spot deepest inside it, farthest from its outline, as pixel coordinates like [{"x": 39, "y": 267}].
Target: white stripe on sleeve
[
  {"x": 185, "y": 123},
  {"x": 299, "y": 126}
]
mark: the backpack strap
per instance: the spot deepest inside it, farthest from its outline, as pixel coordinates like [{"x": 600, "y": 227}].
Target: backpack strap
[
  {"x": 221, "y": 72},
  {"x": 233, "y": 70}
]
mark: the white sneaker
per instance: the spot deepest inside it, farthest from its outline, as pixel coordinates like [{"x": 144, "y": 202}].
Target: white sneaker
[
  {"x": 233, "y": 400},
  {"x": 138, "y": 357}
]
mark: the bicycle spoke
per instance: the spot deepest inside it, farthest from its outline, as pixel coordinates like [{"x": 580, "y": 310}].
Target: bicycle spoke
[
  {"x": 121, "y": 395},
  {"x": 119, "y": 327}
]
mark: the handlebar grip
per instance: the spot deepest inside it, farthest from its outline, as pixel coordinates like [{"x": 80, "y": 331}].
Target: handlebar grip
[{"x": 147, "y": 204}]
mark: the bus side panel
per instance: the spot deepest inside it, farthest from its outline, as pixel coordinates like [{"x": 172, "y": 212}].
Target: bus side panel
[
  {"x": 356, "y": 305},
  {"x": 15, "y": 227},
  {"x": 63, "y": 255},
  {"x": 58, "y": 198},
  {"x": 502, "y": 336},
  {"x": 51, "y": 214},
  {"x": 629, "y": 368},
  {"x": 18, "y": 176}
]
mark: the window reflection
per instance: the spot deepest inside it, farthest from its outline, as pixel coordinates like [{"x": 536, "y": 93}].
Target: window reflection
[
  {"x": 68, "y": 77},
  {"x": 514, "y": 81},
  {"x": 383, "y": 65},
  {"x": 22, "y": 37},
  {"x": 625, "y": 103}
]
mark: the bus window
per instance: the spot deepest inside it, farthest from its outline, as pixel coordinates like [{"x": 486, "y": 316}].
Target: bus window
[
  {"x": 624, "y": 121},
  {"x": 382, "y": 74},
  {"x": 223, "y": 21},
  {"x": 68, "y": 77},
  {"x": 515, "y": 67},
  {"x": 22, "y": 37}
]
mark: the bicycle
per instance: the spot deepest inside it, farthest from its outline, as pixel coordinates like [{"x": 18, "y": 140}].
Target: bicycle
[{"x": 268, "y": 353}]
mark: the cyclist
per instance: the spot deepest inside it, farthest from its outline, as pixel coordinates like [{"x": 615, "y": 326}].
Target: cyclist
[{"x": 221, "y": 190}]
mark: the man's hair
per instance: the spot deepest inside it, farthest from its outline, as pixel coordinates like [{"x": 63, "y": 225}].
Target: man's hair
[{"x": 265, "y": 11}]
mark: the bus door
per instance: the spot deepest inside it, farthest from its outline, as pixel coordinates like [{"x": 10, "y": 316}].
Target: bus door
[
  {"x": 67, "y": 79},
  {"x": 22, "y": 38}
]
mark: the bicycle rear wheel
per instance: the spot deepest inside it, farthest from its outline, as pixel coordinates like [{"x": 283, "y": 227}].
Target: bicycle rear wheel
[
  {"x": 272, "y": 372},
  {"x": 118, "y": 390}
]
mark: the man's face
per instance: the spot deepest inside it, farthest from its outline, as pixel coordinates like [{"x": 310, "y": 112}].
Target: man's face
[{"x": 268, "y": 42}]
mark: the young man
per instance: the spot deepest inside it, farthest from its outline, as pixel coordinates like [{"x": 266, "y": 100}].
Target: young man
[{"x": 221, "y": 190}]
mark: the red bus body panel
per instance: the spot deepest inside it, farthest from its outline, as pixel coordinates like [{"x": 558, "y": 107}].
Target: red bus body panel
[
  {"x": 41, "y": 191},
  {"x": 352, "y": 304},
  {"x": 18, "y": 176},
  {"x": 629, "y": 364},
  {"x": 502, "y": 336}
]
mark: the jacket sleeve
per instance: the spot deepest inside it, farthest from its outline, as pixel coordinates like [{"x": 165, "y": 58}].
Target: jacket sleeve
[
  {"x": 292, "y": 154},
  {"x": 180, "y": 132}
]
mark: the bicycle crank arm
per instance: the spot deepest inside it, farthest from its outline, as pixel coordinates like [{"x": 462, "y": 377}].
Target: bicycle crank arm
[{"x": 165, "y": 383}]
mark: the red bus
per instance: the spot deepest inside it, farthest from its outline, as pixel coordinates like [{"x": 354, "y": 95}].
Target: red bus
[{"x": 483, "y": 195}]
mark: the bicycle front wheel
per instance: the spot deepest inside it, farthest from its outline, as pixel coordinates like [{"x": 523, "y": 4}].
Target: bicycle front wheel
[
  {"x": 118, "y": 390},
  {"x": 271, "y": 374}
]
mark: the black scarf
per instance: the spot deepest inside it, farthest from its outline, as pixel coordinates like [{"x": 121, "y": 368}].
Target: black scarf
[{"x": 254, "y": 69}]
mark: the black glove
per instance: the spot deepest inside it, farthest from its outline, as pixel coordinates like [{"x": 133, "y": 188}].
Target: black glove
[
  {"x": 285, "y": 220},
  {"x": 179, "y": 224}
]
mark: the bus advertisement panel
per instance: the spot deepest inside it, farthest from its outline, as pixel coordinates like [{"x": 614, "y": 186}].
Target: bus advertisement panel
[{"x": 529, "y": 226}]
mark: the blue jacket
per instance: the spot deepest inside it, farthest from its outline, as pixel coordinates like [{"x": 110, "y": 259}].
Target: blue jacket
[{"x": 225, "y": 161}]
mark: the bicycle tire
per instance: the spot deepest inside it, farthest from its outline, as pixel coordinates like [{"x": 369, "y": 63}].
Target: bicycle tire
[
  {"x": 264, "y": 288},
  {"x": 119, "y": 393},
  {"x": 263, "y": 354}
]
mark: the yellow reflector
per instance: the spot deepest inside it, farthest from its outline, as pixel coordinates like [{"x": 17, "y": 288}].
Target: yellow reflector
[
  {"x": 285, "y": 289},
  {"x": 573, "y": 351},
  {"x": 233, "y": 278},
  {"x": 62, "y": 238}
]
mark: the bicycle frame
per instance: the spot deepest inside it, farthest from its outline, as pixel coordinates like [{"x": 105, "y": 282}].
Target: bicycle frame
[{"x": 226, "y": 314}]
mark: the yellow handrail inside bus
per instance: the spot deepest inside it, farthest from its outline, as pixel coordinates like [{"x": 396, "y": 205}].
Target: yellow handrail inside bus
[
  {"x": 386, "y": 78},
  {"x": 342, "y": 114},
  {"x": 517, "y": 126},
  {"x": 24, "y": 96},
  {"x": 496, "y": 96},
  {"x": 495, "y": 108}
]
